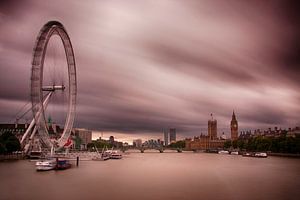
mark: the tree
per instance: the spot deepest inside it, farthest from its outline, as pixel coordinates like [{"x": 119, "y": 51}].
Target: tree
[
  {"x": 78, "y": 142},
  {"x": 282, "y": 144},
  {"x": 227, "y": 144},
  {"x": 234, "y": 144},
  {"x": 9, "y": 143},
  {"x": 178, "y": 144},
  {"x": 241, "y": 144},
  {"x": 2, "y": 148},
  {"x": 13, "y": 145},
  {"x": 99, "y": 144},
  {"x": 275, "y": 145},
  {"x": 251, "y": 146}
]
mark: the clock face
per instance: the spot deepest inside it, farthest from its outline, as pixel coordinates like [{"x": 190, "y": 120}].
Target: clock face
[{"x": 234, "y": 125}]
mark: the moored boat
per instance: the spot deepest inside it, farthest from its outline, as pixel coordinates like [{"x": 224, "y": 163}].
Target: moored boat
[
  {"x": 45, "y": 165},
  {"x": 261, "y": 155},
  {"x": 115, "y": 155},
  {"x": 63, "y": 164},
  {"x": 234, "y": 153},
  {"x": 256, "y": 155},
  {"x": 247, "y": 154},
  {"x": 104, "y": 155},
  {"x": 223, "y": 152}
]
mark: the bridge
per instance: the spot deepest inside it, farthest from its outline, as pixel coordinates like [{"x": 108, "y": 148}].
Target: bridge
[
  {"x": 89, "y": 155},
  {"x": 148, "y": 149}
]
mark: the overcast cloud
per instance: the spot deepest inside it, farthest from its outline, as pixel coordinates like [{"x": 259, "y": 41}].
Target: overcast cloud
[{"x": 147, "y": 65}]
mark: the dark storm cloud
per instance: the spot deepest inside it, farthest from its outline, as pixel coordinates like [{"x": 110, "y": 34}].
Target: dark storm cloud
[
  {"x": 266, "y": 115},
  {"x": 10, "y": 6},
  {"x": 186, "y": 62},
  {"x": 145, "y": 66},
  {"x": 289, "y": 56}
]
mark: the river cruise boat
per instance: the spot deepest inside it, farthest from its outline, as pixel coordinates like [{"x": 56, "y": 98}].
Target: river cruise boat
[
  {"x": 223, "y": 152},
  {"x": 102, "y": 157},
  {"x": 248, "y": 154},
  {"x": 45, "y": 165},
  {"x": 234, "y": 153},
  {"x": 115, "y": 155},
  {"x": 261, "y": 155},
  {"x": 63, "y": 164},
  {"x": 256, "y": 155}
]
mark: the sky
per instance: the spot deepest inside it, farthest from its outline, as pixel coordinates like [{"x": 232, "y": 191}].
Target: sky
[{"x": 144, "y": 66}]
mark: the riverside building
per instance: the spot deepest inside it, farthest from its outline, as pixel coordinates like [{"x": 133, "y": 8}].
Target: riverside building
[
  {"x": 85, "y": 135},
  {"x": 203, "y": 142},
  {"x": 212, "y": 128},
  {"x": 206, "y": 142}
]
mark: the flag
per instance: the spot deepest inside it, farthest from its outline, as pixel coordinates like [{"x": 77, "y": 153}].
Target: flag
[{"x": 68, "y": 143}]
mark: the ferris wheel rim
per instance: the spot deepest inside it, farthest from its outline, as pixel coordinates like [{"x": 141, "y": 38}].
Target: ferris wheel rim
[{"x": 38, "y": 108}]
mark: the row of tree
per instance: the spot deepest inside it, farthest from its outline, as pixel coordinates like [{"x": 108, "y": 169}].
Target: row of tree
[
  {"x": 179, "y": 144},
  {"x": 99, "y": 144},
  {"x": 9, "y": 143},
  {"x": 282, "y": 144}
]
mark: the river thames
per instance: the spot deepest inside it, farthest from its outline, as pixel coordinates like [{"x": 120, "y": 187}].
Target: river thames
[{"x": 157, "y": 176}]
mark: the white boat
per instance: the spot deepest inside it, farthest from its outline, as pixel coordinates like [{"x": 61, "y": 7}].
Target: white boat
[
  {"x": 223, "y": 152},
  {"x": 115, "y": 155},
  {"x": 102, "y": 158},
  {"x": 261, "y": 155},
  {"x": 248, "y": 154},
  {"x": 234, "y": 153},
  {"x": 256, "y": 155},
  {"x": 63, "y": 164},
  {"x": 104, "y": 155},
  {"x": 44, "y": 165}
]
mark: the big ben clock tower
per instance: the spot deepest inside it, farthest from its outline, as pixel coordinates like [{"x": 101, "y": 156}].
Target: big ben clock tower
[{"x": 234, "y": 127}]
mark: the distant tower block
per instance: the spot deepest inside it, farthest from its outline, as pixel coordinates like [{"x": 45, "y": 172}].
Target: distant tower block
[
  {"x": 172, "y": 135},
  {"x": 234, "y": 127},
  {"x": 166, "y": 137},
  {"x": 212, "y": 128}
]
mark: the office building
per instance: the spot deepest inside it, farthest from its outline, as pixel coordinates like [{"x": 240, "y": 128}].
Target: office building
[
  {"x": 166, "y": 137},
  {"x": 172, "y": 135},
  {"x": 85, "y": 135}
]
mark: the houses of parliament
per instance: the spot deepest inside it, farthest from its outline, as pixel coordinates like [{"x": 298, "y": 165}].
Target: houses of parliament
[{"x": 212, "y": 141}]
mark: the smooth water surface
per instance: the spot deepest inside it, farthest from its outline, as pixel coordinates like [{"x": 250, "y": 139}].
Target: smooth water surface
[{"x": 157, "y": 176}]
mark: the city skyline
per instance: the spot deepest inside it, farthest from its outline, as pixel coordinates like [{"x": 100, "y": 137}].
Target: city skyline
[{"x": 142, "y": 69}]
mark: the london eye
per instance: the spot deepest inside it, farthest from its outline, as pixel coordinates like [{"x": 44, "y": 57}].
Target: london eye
[{"x": 47, "y": 84}]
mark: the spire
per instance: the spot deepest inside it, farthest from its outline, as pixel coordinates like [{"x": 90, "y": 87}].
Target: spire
[{"x": 233, "y": 116}]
